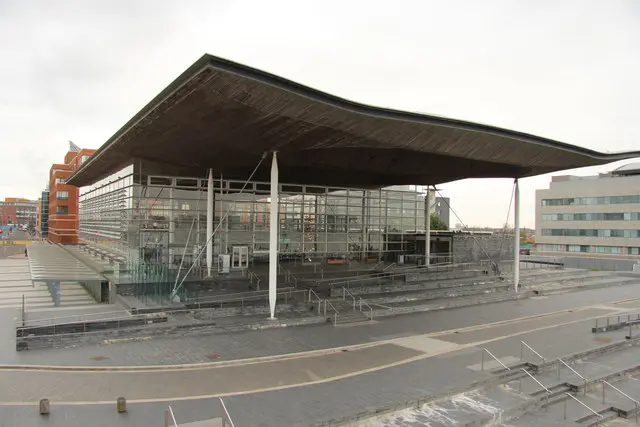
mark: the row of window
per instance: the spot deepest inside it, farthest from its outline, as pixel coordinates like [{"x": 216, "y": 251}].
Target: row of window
[
  {"x": 580, "y": 232},
  {"x": 605, "y": 200},
  {"x": 611, "y": 250},
  {"x": 612, "y": 216}
]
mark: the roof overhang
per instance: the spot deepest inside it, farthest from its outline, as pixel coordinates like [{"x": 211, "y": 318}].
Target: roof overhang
[{"x": 223, "y": 115}]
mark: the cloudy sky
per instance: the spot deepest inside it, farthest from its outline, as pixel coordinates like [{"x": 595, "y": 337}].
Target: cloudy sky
[{"x": 567, "y": 70}]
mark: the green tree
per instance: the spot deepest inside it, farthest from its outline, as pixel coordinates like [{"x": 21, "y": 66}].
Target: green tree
[{"x": 436, "y": 223}]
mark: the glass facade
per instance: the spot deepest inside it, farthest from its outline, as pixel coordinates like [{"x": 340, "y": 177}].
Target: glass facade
[
  {"x": 159, "y": 222},
  {"x": 611, "y": 250},
  {"x": 613, "y": 216},
  {"x": 605, "y": 200}
]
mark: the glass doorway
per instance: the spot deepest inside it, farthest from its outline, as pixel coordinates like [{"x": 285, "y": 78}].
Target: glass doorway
[{"x": 240, "y": 257}]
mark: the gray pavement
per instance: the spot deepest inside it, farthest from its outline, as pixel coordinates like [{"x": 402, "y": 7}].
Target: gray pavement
[
  {"x": 204, "y": 348},
  {"x": 308, "y": 405}
]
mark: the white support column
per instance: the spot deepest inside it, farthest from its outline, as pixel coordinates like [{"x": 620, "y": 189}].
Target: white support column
[
  {"x": 172, "y": 225},
  {"x": 516, "y": 230},
  {"x": 427, "y": 228},
  {"x": 273, "y": 236},
  {"x": 209, "y": 222}
]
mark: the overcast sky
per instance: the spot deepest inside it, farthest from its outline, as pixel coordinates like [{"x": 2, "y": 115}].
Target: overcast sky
[{"x": 567, "y": 70}]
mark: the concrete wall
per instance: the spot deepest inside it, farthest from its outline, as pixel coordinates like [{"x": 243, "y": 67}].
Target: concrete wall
[
  {"x": 469, "y": 248},
  {"x": 601, "y": 263}
]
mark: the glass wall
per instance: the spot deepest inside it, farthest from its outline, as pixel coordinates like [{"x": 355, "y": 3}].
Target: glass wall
[{"x": 161, "y": 222}]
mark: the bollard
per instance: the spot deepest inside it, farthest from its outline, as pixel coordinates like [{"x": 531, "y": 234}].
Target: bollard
[
  {"x": 44, "y": 406},
  {"x": 121, "y": 405}
]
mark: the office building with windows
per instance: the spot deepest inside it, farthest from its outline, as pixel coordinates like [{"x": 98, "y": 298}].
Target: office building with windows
[
  {"x": 18, "y": 212},
  {"x": 62, "y": 209},
  {"x": 595, "y": 215}
]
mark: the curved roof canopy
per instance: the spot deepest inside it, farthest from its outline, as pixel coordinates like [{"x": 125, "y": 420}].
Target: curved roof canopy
[{"x": 223, "y": 115}]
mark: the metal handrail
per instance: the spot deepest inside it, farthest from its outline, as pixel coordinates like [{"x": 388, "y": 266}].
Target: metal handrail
[
  {"x": 495, "y": 358},
  {"x": 251, "y": 276},
  {"x": 597, "y": 414},
  {"x": 534, "y": 378},
  {"x": 635, "y": 402},
  {"x": 362, "y": 301},
  {"x": 346, "y": 292},
  {"x": 586, "y": 380},
  {"x": 522, "y": 343},
  {"x": 571, "y": 369},
  {"x": 336, "y": 313},
  {"x": 80, "y": 318},
  {"x": 389, "y": 266},
  {"x": 169, "y": 417},
  {"x": 377, "y": 265},
  {"x": 226, "y": 413},
  {"x": 235, "y": 296}
]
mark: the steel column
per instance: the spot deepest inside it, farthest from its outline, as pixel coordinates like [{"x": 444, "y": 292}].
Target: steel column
[
  {"x": 209, "y": 239},
  {"x": 427, "y": 228},
  {"x": 516, "y": 231},
  {"x": 273, "y": 236}
]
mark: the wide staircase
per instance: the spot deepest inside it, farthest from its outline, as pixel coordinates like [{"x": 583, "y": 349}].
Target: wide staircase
[{"x": 596, "y": 387}]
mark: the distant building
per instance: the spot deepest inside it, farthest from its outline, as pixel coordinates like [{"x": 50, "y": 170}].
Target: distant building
[
  {"x": 19, "y": 212},
  {"x": 442, "y": 209},
  {"x": 43, "y": 214},
  {"x": 595, "y": 215},
  {"x": 63, "y": 198}
]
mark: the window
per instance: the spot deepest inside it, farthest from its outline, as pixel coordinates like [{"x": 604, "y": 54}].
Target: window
[
  {"x": 578, "y": 248},
  {"x": 83, "y": 159},
  {"x": 633, "y": 251},
  {"x": 62, "y": 195},
  {"x": 544, "y": 247},
  {"x": 59, "y": 180},
  {"x": 608, "y": 200},
  {"x": 62, "y": 210},
  {"x": 614, "y": 250}
]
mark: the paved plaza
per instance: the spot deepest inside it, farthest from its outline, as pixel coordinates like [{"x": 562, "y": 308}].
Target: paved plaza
[{"x": 329, "y": 372}]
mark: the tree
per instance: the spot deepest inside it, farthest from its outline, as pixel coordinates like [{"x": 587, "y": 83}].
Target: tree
[{"x": 436, "y": 223}]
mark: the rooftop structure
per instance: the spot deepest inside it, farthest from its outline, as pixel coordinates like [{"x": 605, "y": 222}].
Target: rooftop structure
[
  {"x": 201, "y": 146},
  {"x": 222, "y": 115}
]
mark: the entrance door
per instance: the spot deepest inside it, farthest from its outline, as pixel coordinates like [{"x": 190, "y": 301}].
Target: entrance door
[{"x": 240, "y": 257}]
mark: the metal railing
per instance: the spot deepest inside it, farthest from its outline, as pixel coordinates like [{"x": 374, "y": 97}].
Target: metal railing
[
  {"x": 389, "y": 266},
  {"x": 378, "y": 264},
  {"x": 169, "y": 418},
  {"x": 354, "y": 300},
  {"x": 572, "y": 370},
  {"x": 336, "y": 313},
  {"x": 597, "y": 414},
  {"x": 50, "y": 321},
  {"x": 523, "y": 345},
  {"x": 219, "y": 303},
  {"x": 313, "y": 293},
  {"x": 226, "y": 417},
  {"x": 253, "y": 276},
  {"x": 288, "y": 276},
  {"x": 484, "y": 350},
  {"x": 622, "y": 393},
  {"x": 398, "y": 272},
  {"x": 368, "y": 306},
  {"x": 539, "y": 383}
]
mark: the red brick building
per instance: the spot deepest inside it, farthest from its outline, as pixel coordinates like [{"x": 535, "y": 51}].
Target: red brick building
[
  {"x": 18, "y": 212},
  {"x": 63, "y": 198}
]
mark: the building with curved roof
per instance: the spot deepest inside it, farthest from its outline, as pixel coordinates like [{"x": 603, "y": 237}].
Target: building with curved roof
[{"x": 185, "y": 180}]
